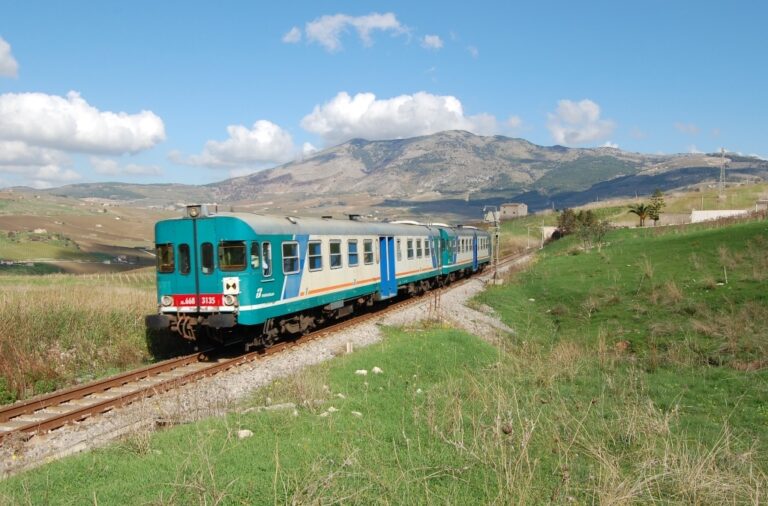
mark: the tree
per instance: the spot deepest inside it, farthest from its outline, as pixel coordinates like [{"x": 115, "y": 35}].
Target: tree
[
  {"x": 656, "y": 205},
  {"x": 566, "y": 222},
  {"x": 641, "y": 210}
]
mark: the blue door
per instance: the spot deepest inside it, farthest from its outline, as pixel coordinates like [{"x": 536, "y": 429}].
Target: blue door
[
  {"x": 388, "y": 280},
  {"x": 474, "y": 251}
]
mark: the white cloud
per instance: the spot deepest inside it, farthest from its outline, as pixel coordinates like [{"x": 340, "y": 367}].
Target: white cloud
[
  {"x": 609, "y": 144},
  {"x": 694, "y": 150},
  {"x": 8, "y": 65},
  {"x": 432, "y": 42},
  {"x": 292, "y": 36},
  {"x": 687, "y": 128},
  {"x": 473, "y": 51},
  {"x": 111, "y": 167},
  {"x": 49, "y": 175},
  {"x": 514, "y": 122},
  {"x": 71, "y": 124},
  {"x": 308, "y": 149},
  {"x": 578, "y": 123},
  {"x": 264, "y": 143},
  {"x": 327, "y": 30},
  {"x": 345, "y": 117},
  {"x": 20, "y": 154}
]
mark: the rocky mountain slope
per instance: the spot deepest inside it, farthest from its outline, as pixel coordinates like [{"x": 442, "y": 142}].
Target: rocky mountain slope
[{"x": 449, "y": 168}]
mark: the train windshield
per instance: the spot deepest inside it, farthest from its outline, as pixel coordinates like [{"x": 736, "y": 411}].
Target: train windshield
[
  {"x": 232, "y": 255},
  {"x": 165, "y": 257}
]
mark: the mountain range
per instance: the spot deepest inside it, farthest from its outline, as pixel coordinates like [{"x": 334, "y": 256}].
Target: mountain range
[{"x": 447, "y": 172}]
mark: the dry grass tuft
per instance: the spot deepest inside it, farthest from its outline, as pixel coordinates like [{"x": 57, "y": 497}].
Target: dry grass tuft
[{"x": 54, "y": 335}]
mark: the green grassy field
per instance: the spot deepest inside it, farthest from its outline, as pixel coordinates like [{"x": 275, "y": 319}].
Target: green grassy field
[{"x": 635, "y": 375}]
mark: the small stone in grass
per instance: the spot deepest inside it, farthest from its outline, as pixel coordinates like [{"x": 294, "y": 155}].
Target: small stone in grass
[
  {"x": 244, "y": 433},
  {"x": 376, "y": 370},
  {"x": 357, "y": 414},
  {"x": 361, "y": 372},
  {"x": 332, "y": 409},
  {"x": 324, "y": 414},
  {"x": 419, "y": 390},
  {"x": 341, "y": 395}
]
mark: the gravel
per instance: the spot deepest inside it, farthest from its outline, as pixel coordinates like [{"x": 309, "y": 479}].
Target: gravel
[{"x": 221, "y": 393}]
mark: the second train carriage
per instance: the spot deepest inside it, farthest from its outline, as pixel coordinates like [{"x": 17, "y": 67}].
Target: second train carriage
[{"x": 217, "y": 272}]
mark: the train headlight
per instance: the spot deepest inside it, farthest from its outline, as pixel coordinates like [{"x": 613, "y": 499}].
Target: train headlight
[
  {"x": 229, "y": 300},
  {"x": 166, "y": 300}
]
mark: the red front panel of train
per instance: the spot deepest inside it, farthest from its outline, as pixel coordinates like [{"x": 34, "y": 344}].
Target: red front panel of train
[{"x": 205, "y": 300}]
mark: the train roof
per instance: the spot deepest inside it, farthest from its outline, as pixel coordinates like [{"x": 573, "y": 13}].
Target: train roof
[{"x": 271, "y": 224}]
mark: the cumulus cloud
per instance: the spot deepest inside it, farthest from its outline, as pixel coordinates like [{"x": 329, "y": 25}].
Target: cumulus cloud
[
  {"x": 514, "y": 123},
  {"x": 692, "y": 149},
  {"x": 473, "y": 51},
  {"x": 308, "y": 149},
  {"x": 432, "y": 42},
  {"x": 71, "y": 124},
  {"x": 263, "y": 143},
  {"x": 111, "y": 167},
  {"x": 8, "y": 65},
  {"x": 687, "y": 128},
  {"x": 327, "y": 30},
  {"x": 48, "y": 176},
  {"x": 345, "y": 117},
  {"x": 20, "y": 154},
  {"x": 609, "y": 144},
  {"x": 292, "y": 36},
  {"x": 578, "y": 123}
]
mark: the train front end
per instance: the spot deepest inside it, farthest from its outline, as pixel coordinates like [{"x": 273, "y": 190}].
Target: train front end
[{"x": 200, "y": 259}]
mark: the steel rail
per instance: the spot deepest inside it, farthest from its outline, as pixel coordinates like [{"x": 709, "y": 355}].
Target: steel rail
[{"x": 57, "y": 399}]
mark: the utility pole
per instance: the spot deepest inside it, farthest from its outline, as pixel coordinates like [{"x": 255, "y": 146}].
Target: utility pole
[
  {"x": 721, "y": 185},
  {"x": 491, "y": 215}
]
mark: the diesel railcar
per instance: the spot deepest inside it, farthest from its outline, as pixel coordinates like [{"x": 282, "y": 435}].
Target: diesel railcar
[{"x": 222, "y": 275}]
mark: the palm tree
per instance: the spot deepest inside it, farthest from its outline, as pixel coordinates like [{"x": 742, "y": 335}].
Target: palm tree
[{"x": 642, "y": 211}]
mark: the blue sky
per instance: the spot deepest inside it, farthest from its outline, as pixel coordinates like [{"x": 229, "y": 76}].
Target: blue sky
[{"x": 196, "y": 92}]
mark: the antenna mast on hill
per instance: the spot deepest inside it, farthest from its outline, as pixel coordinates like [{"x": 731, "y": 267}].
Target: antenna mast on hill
[{"x": 721, "y": 184}]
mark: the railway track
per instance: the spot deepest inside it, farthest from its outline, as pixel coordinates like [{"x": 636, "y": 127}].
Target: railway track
[{"x": 49, "y": 412}]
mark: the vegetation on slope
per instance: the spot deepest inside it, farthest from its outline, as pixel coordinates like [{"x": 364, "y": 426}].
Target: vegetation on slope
[
  {"x": 634, "y": 375},
  {"x": 56, "y": 330}
]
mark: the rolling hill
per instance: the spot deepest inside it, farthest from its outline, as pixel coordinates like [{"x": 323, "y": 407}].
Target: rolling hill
[{"x": 444, "y": 172}]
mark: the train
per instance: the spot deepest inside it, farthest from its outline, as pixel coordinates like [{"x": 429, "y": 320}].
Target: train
[{"x": 225, "y": 276}]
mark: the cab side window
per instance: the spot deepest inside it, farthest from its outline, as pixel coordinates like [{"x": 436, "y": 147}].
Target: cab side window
[
  {"x": 206, "y": 257},
  {"x": 164, "y": 255},
  {"x": 184, "y": 264},
  {"x": 266, "y": 259},
  {"x": 255, "y": 255}
]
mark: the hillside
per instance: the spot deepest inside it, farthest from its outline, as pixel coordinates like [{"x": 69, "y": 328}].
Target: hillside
[
  {"x": 636, "y": 374},
  {"x": 452, "y": 172}
]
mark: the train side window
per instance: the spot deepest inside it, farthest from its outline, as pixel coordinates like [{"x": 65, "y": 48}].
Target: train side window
[
  {"x": 232, "y": 256},
  {"x": 418, "y": 248},
  {"x": 266, "y": 259},
  {"x": 206, "y": 257},
  {"x": 164, "y": 255},
  {"x": 399, "y": 251},
  {"x": 427, "y": 252},
  {"x": 352, "y": 255},
  {"x": 315, "y": 255},
  {"x": 409, "y": 248},
  {"x": 368, "y": 251},
  {"x": 254, "y": 255},
  {"x": 335, "y": 253},
  {"x": 290, "y": 257},
  {"x": 184, "y": 264}
]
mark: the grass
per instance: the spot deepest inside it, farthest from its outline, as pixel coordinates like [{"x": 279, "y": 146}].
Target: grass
[
  {"x": 27, "y": 245},
  {"x": 56, "y": 330},
  {"x": 635, "y": 375}
]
